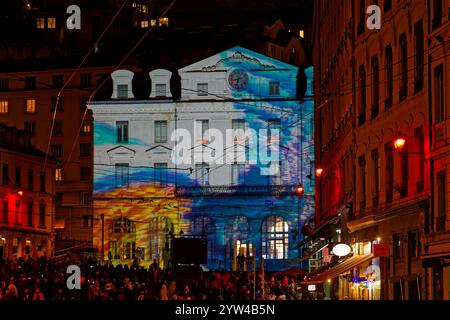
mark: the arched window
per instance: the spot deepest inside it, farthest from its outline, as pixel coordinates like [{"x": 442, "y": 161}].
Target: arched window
[{"x": 275, "y": 238}]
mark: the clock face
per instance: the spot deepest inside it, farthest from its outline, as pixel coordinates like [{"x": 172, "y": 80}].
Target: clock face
[{"x": 238, "y": 79}]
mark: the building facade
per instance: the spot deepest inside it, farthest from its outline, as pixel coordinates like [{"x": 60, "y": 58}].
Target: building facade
[
  {"x": 376, "y": 92},
  {"x": 27, "y": 195},
  {"x": 167, "y": 168}
]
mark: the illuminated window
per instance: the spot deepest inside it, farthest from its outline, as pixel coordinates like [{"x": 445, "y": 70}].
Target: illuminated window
[
  {"x": 86, "y": 128},
  {"x": 164, "y": 22},
  {"x": 51, "y": 23},
  {"x": 301, "y": 33},
  {"x": 3, "y": 106},
  {"x": 30, "y": 105},
  {"x": 58, "y": 174},
  {"x": 144, "y": 24},
  {"x": 153, "y": 23},
  {"x": 40, "y": 23},
  {"x": 275, "y": 238}
]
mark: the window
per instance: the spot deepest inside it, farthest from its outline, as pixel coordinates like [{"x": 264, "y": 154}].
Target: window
[
  {"x": 4, "y": 106},
  {"x": 84, "y": 102},
  {"x": 362, "y": 180},
  {"x": 160, "y": 131},
  {"x": 403, "y": 62},
  {"x": 418, "y": 56},
  {"x": 361, "y": 16},
  {"x": 86, "y": 128},
  {"x": 40, "y": 23},
  {"x": 42, "y": 207},
  {"x": 59, "y": 107},
  {"x": 42, "y": 182},
  {"x": 389, "y": 154},
  {"x": 30, "y": 83},
  {"x": 160, "y": 90},
  {"x": 201, "y": 127},
  {"x": 30, "y": 213},
  {"x": 58, "y": 128},
  {"x": 274, "y": 88},
  {"x": 85, "y": 149},
  {"x": 5, "y": 174},
  {"x": 418, "y": 134},
  {"x": 202, "y": 174},
  {"x": 30, "y": 105},
  {"x": 387, "y": 5},
  {"x": 362, "y": 96},
  {"x": 301, "y": 33},
  {"x": 58, "y": 174},
  {"x": 58, "y": 81},
  {"x": 238, "y": 127},
  {"x": 87, "y": 221},
  {"x": 414, "y": 244},
  {"x": 389, "y": 77},
  {"x": 58, "y": 198},
  {"x": 375, "y": 87},
  {"x": 437, "y": 13},
  {"x": 404, "y": 172},
  {"x": 376, "y": 176},
  {"x": 122, "y": 91},
  {"x": 18, "y": 177},
  {"x": 439, "y": 114},
  {"x": 275, "y": 238},
  {"x": 85, "y": 198},
  {"x": 30, "y": 128},
  {"x": 122, "y": 175},
  {"x": 144, "y": 24},
  {"x": 85, "y": 80},
  {"x": 15, "y": 246},
  {"x": 5, "y": 211},
  {"x": 153, "y": 22},
  {"x": 57, "y": 150},
  {"x": 85, "y": 173},
  {"x": 4, "y": 85},
  {"x": 202, "y": 89},
  {"x": 122, "y": 131},
  {"x": 237, "y": 173},
  {"x": 164, "y": 22},
  {"x": 51, "y": 23},
  {"x": 441, "y": 206},
  {"x": 123, "y": 225},
  {"x": 30, "y": 180},
  {"x": 161, "y": 173},
  {"x": 397, "y": 244}
]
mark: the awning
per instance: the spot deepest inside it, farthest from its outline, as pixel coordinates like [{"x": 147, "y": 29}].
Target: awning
[{"x": 342, "y": 267}]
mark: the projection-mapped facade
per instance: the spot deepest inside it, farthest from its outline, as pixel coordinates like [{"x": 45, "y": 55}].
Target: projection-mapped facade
[{"x": 222, "y": 163}]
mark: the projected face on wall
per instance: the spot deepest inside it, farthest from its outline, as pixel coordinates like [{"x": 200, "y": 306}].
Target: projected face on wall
[{"x": 147, "y": 198}]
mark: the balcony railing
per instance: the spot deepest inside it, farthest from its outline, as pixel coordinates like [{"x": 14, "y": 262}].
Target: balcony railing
[{"x": 235, "y": 190}]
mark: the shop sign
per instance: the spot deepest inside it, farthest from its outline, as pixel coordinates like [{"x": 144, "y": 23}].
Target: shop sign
[{"x": 380, "y": 250}]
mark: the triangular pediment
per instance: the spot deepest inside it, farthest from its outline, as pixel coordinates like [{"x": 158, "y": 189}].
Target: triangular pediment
[
  {"x": 158, "y": 149},
  {"x": 121, "y": 150},
  {"x": 238, "y": 57}
]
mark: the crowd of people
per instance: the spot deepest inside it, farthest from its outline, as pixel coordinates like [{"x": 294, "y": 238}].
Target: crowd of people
[{"x": 43, "y": 279}]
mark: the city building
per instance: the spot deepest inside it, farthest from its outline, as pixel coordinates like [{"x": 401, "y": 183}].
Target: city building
[
  {"x": 28, "y": 93},
  {"x": 27, "y": 197},
  {"x": 189, "y": 167},
  {"x": 376, "y": 150},
  {"x": 436, "y": 254}
]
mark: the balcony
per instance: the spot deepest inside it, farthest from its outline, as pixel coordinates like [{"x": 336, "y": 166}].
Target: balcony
[{"x": 197, "y": 191}]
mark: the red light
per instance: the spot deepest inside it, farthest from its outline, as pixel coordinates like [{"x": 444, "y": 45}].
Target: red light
[
  {"x": 319, "y": 172},
  {"x": 399, "y": 142},
  {"x": 300, "y": 190},
  {"x": 20, "y": 193}
]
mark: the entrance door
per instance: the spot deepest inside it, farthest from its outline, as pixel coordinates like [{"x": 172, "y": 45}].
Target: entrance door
[{"x": 245, "y": 249}]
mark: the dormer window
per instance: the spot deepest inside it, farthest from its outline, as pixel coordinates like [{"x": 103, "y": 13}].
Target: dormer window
[
  {"x": 122, "y": 91},
  {"x": 202, "y": 89},
  {"x": 160, "y": 89},
  {"x": 274, "y": 88}
]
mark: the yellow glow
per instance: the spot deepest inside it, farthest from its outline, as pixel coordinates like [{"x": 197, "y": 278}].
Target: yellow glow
[
  {"x": 144, "y": 24},
  {"x": 4, "y": 106},
  {"x": 31, "y": 105},
  {"x": 40, "y": 23},
  {"x": 301, "y": 33},
  {"x": 164, "y": 22},
  {"x": 51, "y": 23},
  {"x": 58, "y": 174}
]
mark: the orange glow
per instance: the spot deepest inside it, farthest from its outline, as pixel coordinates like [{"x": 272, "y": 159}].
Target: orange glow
[
  {"x": 300, "y": 190},
  {"x": 20, "y": 193},
  {"x": 399, "y": 143},
  {"x": 319, "y": 172}
]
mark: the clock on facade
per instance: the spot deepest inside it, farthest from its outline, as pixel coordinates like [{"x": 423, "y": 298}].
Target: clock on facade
[{"x": 238, "y": 79}]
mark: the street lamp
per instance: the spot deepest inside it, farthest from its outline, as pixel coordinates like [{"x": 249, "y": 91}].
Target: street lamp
[
  {"x": 319, "y": 172},
  {"x": 400, "y": 142},
  {"x": 300, "y": 190}
]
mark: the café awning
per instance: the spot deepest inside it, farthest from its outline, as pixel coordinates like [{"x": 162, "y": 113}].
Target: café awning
[{"x": 341, "y": 268}]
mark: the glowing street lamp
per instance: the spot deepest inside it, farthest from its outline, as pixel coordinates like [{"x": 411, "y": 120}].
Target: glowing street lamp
[
  {"x": 399, "y": 142},
  {"x": 300, "y": 190},
  {"x": 319, "y": 172}
]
